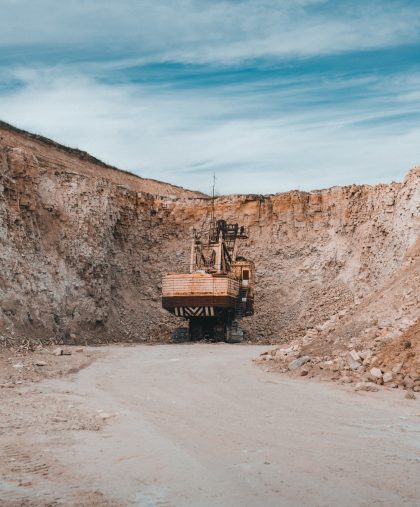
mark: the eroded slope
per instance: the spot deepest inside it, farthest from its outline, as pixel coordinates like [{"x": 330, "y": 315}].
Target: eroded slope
[{"x": 83, "y": 248}]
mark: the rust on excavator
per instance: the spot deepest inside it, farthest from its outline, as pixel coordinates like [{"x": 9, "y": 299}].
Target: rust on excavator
[{"x": 218, "y": 291}]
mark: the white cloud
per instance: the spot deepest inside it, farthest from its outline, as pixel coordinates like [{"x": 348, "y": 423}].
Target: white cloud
[
  {"x": 206, "y": 31},
  {"x": 182, "y": 136}
]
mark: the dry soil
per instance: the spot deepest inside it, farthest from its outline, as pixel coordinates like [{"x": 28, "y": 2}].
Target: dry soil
[{"x": 201, "y": 425}]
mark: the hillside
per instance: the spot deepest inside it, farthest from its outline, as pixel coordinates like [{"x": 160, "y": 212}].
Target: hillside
[{"x": 84, "y": 246}]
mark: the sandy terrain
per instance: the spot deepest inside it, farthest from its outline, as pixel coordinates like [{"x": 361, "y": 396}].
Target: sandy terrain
[{"x": 201, "y": 425}]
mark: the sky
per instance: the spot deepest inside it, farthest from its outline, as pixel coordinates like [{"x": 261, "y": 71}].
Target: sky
[{"x": 270, "y": 95}]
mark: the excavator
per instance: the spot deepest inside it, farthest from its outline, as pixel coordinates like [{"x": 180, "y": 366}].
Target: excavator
[{"x": 217, "y": 292}]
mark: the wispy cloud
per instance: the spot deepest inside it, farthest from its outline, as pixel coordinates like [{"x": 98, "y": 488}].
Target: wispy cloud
[
  {"x": 203, "y": 31},
  {"x": 271, "y": 95},
  {"x": 182, "y": 136}
]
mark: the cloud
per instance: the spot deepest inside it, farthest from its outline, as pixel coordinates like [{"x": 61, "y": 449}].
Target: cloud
[
  {"x": 204, "y": 31},
  {"x": 182, "y": 136},
  {"x": 270, "y": 94}
]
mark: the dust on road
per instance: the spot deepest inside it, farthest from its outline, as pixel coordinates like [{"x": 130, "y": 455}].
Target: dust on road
[{"x": 201, "y": 425}]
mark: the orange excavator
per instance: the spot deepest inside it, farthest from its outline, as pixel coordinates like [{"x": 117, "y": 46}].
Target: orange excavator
[{"x": 217, "y": 292}]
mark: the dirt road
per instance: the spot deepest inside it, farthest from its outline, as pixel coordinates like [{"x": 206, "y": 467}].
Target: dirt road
[{"x": 201, "y": 425}]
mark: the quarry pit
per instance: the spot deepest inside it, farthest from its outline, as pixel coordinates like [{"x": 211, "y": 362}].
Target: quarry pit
[{"x": 331, "y": 360}]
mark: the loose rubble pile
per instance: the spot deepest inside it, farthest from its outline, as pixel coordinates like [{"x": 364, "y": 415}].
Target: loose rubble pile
[
  {"x": 393, "y": 363},
  {"x": 373, "y": 342}
]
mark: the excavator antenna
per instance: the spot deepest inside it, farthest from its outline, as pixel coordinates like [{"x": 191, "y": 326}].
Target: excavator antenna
[{"x": 212, "y": 201}]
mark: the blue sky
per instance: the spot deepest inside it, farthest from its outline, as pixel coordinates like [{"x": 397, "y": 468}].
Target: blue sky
[{"x": 270, "y": 95}]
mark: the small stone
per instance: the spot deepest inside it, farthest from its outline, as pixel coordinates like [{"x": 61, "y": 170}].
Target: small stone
[
  {"x": 104, "y": 416},
  {"x": 59, "y": 420},
  {"x": 304, "y": 372},
  {"x": 297, "y": 363},
  {"x": 79, "y": 349},
  {"x": 397, "y": 368},
  {"x": 416, "y": 389},
  {"x": 387, "y": 377},
  {"x": 353, "y": 360},
  {"x": 408, "y": 382},
  {"x": 365, "y": 354},
  {"x": 19, "y": 365},
  {"x": 366, "y": 386},
  {"x": 40, "y": 363},
  {"x": 354, "y": 355},
  {"x": 409, "y": 395},
  {"x": 376, "y": 372},
  {"x": 57, "y": 352},
  {"x": 346, "y": 379}
]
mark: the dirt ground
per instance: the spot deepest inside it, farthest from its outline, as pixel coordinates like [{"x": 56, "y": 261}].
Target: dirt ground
[{"x": 197, "y": 425}]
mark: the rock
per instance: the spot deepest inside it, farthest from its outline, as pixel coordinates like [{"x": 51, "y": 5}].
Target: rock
[
  {"x": 410, "y": 395},
  {"x": 416, "y": 389},
  {"x": 57, "y": 352},
  {"x": 397, "y": 368},
  {"x": 366, "y": 386},
  {"x": 354, "y": 355},
  {"x": 304, "y": 372},
  {"x": 353, "y": 360},
  {"x": 346, "y": 379},
  {"x": 66, "y": 352},
  {"x": 297, "y": 363},
  {"x": 40, "y": 363},
  {"x": 387, "y": 377},
  {"x": 79, "y": 349},
  {"x": 104, "y": 416},
  {"x": 59, "y": 419},
  {"x": 408, "y": 382},
  {"x": 365, "y": 354},
  {"x": 376, "y": 373},
  {"x": 19, "y": 365}
]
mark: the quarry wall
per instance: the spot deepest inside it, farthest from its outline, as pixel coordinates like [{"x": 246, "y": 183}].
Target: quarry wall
[{"x": 83, "y": 247}]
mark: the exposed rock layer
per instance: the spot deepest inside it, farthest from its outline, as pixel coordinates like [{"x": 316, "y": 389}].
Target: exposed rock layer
[{"x": 84, "y": 246}]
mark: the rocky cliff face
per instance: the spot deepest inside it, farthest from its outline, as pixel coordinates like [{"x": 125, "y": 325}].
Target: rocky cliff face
[{"x": 84, "y": 246}]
